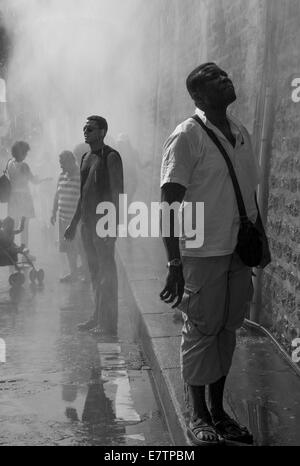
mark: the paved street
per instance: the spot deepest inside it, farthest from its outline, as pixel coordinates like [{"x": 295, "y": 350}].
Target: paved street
[{"x": 62, "y": 387}]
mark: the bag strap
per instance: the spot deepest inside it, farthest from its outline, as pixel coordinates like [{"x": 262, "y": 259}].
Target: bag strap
[
  {"x": 5, "y": 171},
  {"x": 236, "y": 186}
]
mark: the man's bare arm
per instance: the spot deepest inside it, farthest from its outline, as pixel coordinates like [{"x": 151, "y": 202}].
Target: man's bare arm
[
  {"x": 71, "y": 229},
  {"x": 174, "y": 287},
  {"x": 77, "y": 215},
  {"x": 172, "y": 192}
]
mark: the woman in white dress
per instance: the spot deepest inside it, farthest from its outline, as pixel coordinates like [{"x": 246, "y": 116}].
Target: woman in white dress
[{"x": 20, "y": 203}]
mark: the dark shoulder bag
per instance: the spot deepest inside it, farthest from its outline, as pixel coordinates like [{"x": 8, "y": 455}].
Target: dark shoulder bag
[
  {"x": 5, "y": 186},
  {"x": 252, "y": 245}
]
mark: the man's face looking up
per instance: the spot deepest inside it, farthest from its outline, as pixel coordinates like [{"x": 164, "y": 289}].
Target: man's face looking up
[{"x": 216, "y": 88}]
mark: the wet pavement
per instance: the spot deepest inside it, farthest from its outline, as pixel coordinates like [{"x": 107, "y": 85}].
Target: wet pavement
[
  {"x": 62, "y": 387},
  {"x": 264, "y": 391}
]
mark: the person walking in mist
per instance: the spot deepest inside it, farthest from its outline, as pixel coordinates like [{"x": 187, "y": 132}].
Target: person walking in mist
[
  {"x": 65, "y": 203},
  {"x": 131, "y": 165},
  {"x": 210, "y": 284},
  {"x": 20, "y": 203},
  {"x": 101, "y": 175}
]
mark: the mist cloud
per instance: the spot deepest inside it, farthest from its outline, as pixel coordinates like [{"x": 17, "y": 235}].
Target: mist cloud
[{"x": 70, "y": 59}]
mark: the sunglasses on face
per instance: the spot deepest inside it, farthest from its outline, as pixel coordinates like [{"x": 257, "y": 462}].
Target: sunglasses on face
[{"x": 89, "y": 130}]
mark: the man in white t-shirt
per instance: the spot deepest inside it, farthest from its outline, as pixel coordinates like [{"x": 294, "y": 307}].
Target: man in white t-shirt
[{"x": 209, "y": 283}]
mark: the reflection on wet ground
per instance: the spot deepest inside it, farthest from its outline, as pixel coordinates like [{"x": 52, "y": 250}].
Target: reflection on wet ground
[
  {"x": 264, "y": 391},
  {"x": 62, "y": 387}
]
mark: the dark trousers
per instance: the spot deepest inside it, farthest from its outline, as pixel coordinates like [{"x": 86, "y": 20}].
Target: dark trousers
[{"x": 101, "y": 261}]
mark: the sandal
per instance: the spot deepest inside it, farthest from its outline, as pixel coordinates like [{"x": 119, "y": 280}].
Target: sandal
[
  {"x": 233, "y": 432},
  {"x": 198, "y": 431}
]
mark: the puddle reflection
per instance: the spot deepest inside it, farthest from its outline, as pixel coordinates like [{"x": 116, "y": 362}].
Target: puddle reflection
[{"x": 95, "y": 411}]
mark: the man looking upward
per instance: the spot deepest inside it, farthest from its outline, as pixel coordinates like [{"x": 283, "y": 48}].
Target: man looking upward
[{"x": 216, "y": 283}]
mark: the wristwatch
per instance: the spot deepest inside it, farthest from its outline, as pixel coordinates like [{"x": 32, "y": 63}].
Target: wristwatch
[{"x": 174, "y": 263}]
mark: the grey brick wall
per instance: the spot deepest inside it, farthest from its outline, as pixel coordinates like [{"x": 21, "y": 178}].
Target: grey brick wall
[{"x": 281, "y": 286}]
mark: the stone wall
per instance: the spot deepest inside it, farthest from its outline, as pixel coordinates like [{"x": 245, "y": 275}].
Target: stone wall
[{"x": 281, "y": 285}]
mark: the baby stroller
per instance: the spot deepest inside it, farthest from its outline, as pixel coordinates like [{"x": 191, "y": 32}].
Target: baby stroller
[{"x": 9, "y": 252}]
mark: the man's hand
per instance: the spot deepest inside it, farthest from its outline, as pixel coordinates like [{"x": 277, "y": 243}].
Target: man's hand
[
  {"x": 174, "y": 288},
  {"x": 53, "y": 219},
  {"x": 70, "y": 232}
]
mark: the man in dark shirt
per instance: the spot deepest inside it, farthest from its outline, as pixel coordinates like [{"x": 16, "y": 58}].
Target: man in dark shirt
[{"x": 101, "y": 175}]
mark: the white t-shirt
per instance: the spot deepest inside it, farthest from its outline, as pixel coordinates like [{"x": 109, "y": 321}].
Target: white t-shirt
[{"x": 192, "y": 159}]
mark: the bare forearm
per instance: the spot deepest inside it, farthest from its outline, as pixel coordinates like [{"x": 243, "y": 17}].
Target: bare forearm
[
  {"x": 172, "y": 248},
  {"x": 170, "y": 240},
  {"x": 116, "y": 203},
  {"x": 171, "y": 193},
  {"x": 77, "y": 214}
]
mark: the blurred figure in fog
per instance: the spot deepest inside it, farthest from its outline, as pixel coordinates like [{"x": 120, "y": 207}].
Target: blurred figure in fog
[
  {"x": 101, "y": 180},
  {"x": 20, "y": 203},
  {"x": 65, "y": 202},
  {"x": 45, "y": 163},
  {"x": 7, "y": 235},
  {"x": 131, "y": 165}
]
